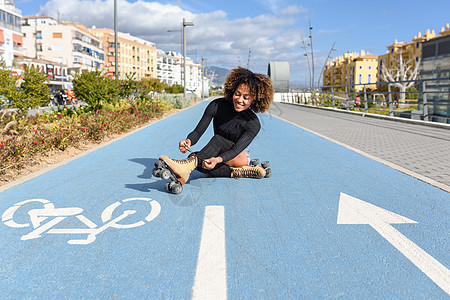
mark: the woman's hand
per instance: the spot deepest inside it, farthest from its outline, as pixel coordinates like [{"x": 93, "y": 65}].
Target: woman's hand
[
  {"x": 210, "y": 163},
  {"x": 184, "y": 145}
]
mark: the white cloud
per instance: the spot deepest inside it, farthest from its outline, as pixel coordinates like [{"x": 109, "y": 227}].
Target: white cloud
[
  {"x": 221, "y": 40},
  {"x": 293, "y": 10}
]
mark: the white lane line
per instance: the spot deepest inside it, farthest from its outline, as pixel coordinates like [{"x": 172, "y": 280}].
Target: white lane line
[{"x": 211, "y": 275}]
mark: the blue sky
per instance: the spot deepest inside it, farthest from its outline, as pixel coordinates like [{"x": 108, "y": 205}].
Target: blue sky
[{"x": 225, "y": 31}]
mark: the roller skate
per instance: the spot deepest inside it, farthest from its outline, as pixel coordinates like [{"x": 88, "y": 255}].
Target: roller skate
[
  {"x": 177, "y": 171},
  {"x": 253, "y": 171}
]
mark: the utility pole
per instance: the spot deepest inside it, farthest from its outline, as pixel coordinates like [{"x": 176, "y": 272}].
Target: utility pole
[
  {"x": 203, "y": 76},
  {"x": 307, "y": 59},
  {"x": 312, "y": 61},
  {"x": 328, "y": 57},
  {"x": 184, "y": 51},
  {"x": 116, "y": 63}
]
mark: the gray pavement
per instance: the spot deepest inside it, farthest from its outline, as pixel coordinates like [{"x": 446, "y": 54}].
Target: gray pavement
[{"x": 418, "y": 150}]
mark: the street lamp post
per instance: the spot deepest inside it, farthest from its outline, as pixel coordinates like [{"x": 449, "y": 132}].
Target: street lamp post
[
  {"x": 324, "y": 65},
  {"x": 184, "y": 51},
  {"x": 116, "y": 67},
  {"x": 203, "y": 76}
]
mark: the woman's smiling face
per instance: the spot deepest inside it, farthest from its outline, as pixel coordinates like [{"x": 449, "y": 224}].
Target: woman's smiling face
[{"x": 242, "y": 98}]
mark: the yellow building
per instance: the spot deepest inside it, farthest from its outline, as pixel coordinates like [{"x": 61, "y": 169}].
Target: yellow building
[
  {"x": 410, "y": 52},
  {"x": 135, "y": 55},
  {"x": 352, "y": 69}
]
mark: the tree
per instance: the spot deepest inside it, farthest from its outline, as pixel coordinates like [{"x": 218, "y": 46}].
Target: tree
[
  {"x": 153, "y": 84},
  {"x": 128, "y": 86},
  {"x": 8, "y": 89},
  {"x": 174, "y": 89},
  {"x": 34, "y": 88},
  {"x": 25, "y": 92},
  {"x": 95, "y": 89},
  {"x": 403, "y": 72}
]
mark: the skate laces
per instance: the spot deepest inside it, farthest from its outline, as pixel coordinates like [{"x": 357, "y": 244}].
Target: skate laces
[
  {"x": 184, "y": 161},
  {"x": 251, "y": 172}
]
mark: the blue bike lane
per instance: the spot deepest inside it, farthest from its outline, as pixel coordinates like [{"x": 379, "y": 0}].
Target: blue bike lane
[{"x": 306, "y": 232}]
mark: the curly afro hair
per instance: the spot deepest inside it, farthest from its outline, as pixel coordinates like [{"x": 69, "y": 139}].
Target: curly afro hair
[{"x": 260, "y": 86}]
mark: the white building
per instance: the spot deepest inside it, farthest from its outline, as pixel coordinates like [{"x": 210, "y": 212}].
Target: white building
[
  {"x": 193, "y": 76},
  {"x": 11, "y": 40},
  {"x": 68, "y": 43},
  {"x": 170, "y": 70}
]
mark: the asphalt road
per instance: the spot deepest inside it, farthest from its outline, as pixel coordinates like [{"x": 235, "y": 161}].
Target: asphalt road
[{"x": 329, "y": 223}]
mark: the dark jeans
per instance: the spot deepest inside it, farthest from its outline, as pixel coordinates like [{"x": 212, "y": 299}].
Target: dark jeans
[{"x": 216, "y": 146}]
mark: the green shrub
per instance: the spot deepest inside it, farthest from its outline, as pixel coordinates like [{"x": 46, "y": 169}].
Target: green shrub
[
  {"x": 174, "y": 89},
  {"x": 34, "y": 88},
  {"x": 65, "y": 128},
  {"x": 23, "y": 94},
  {"x": 96, "y": 89},
  {"x": 153, "y": 84},
  {"x": 178, "y": 100}
]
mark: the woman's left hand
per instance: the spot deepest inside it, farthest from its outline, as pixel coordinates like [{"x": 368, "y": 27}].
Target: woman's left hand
[{"x": 210, "y": 163}]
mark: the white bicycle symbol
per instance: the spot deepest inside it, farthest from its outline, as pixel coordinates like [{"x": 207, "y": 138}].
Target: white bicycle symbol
[{"x": 37, "y": 216}]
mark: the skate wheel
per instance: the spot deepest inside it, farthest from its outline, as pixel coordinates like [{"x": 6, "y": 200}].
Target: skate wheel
[
  {"x": 254, "y": 162},
  {"x": 177, "y": 188},
  {"x": 156, "y": 172},
  {"x": 167, "y": 187},
  {"x": 165, "y": 174},
  {"x": 268, "y": 173},
  {"x": 159, "y": 164},
  {"x": 265, "y": 164}
]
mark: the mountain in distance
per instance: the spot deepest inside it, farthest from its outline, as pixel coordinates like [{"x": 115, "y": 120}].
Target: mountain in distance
[{"x": 221, "y": 74}]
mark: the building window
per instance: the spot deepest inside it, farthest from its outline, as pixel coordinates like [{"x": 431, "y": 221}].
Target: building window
[
  {"x": 77, "y": 60},
  {"x": 444, "y": 48},
  {"x": 417, "y": 45},
  {"x": 360, "y": 67},
  {"x": 429, "y": 51},
  {"x": 360, "y": 78},
  {"x": 39, "y": 35},
  {"x": 370, "y": 67},
  {"x": 368, "y": 79},
  {"x": 57, "y": 35}
]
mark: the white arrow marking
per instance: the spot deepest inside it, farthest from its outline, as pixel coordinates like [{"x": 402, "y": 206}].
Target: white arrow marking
[
  {"x": 355, "y": 211},
  {"x": 211, "y": 274}
]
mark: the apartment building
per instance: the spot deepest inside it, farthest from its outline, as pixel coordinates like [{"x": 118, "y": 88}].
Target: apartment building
[
  {"x": 169, "y": 65},
  {"x": 170, "y": 70},
  {"x": 193, "y": 76},
  {"x": 65, "y": 43},
  {"x": 353, "y": 69},
  {"x": 136, "y": 57},
  {"x": 410, "y": 53},
  {"x": 11, "y": 40}
]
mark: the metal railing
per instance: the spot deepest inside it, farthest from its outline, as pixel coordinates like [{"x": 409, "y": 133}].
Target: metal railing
[{"x": 426, "y": 99}]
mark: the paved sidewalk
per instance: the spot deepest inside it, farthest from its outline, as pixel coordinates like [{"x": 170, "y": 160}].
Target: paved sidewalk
[{"x": 420, "y": 149}]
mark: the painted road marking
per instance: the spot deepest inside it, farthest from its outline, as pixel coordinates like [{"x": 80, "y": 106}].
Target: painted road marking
[
  {"x": 355, "y": 211},
  {"x": 211, "y": 274},
  {"x": 37, "y": 216}
]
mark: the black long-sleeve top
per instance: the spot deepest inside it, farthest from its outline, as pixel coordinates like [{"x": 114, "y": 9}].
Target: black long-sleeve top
[{"x": 237, "y": 127}]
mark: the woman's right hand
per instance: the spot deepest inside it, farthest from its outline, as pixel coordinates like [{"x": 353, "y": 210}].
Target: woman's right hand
[{"x": 184, "y": 145}]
